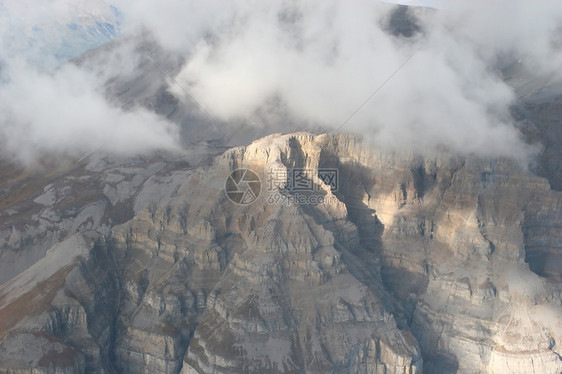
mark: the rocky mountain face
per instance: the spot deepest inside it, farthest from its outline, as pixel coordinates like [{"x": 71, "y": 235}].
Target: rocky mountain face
[
  {"x": 415, "y": 263},
  {"x": 430, "y": 263}
]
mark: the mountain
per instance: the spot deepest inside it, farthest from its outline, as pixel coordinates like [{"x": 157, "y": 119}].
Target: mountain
[
  {"x": 43, "y": 30},
  {"x": 433, "y": 263},
  {"x": 410, "y": 263}
]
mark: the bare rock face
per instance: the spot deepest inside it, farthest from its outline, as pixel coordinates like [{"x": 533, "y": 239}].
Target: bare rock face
[
  {"x": 413, "y": 263},
  {"x": 277, "y": 295}
]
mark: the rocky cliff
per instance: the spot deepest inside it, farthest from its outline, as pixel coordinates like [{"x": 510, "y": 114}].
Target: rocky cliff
[{"x": 413, "y": 263}]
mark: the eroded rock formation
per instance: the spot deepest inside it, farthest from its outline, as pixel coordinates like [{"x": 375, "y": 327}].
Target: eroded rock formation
[{"x": 414, "y": 263}]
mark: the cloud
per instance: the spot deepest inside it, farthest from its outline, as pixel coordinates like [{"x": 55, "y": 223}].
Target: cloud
[
  {"x": 48, "y": 32},
  {"x": 178, "y": 24},
  {"x": 65, "y": 112},
  {"x": 310, "y": 62},
  {"x": 322, "y": 59},
  {"x": 45, "y": 109}
]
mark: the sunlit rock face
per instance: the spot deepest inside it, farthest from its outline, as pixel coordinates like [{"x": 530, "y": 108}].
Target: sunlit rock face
[{"x": 413, "y": 263}]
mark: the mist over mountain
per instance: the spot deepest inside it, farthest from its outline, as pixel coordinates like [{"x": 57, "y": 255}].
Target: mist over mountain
[
  {"x": 315, "y": 64},
  {"x": 319, "y": 62},
  {"x": 281, "y": 187},
  {"x": 48, "y": 33}
]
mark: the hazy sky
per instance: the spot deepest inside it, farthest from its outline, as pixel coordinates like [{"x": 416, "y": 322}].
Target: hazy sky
[{"x": 319, "y": 59}]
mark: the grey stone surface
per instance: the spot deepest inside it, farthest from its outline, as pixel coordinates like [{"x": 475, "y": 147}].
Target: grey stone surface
[{"x": 416, "y": 263}]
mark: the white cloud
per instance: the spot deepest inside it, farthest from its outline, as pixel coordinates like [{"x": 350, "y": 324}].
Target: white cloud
[
  {"x": 318, "y": 59},
  {"x": 323, "y": 58},
  {"x": 63, "y": 110}
]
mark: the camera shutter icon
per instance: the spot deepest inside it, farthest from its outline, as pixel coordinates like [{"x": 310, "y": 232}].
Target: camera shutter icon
[{"x": 243, "y": 186}]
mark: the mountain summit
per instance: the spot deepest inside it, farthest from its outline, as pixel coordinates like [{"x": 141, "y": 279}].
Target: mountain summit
[{"x": 433, "y": 262}]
